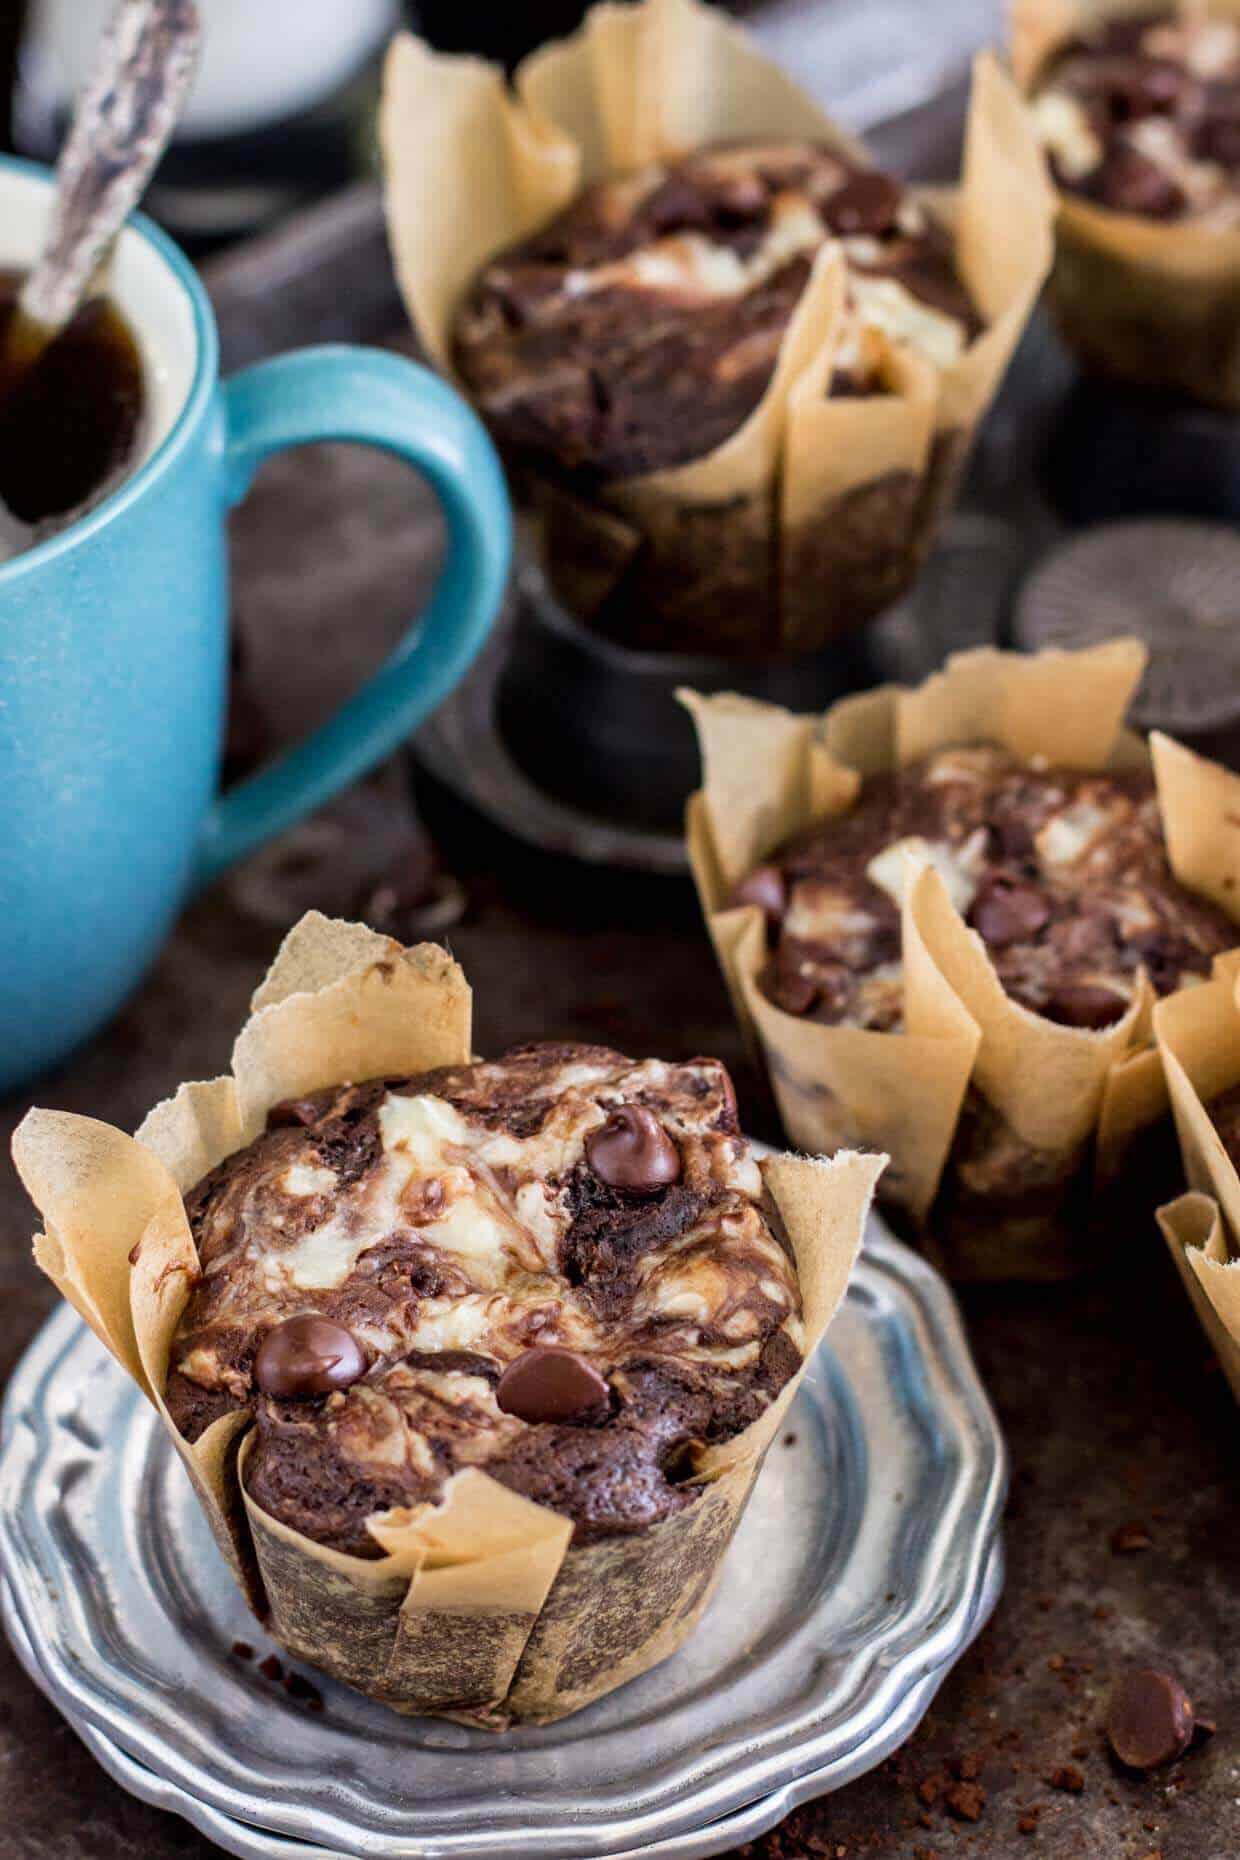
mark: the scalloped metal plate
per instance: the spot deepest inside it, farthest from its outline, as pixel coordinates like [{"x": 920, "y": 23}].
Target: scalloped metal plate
[{"x": 861, "y": 1570}]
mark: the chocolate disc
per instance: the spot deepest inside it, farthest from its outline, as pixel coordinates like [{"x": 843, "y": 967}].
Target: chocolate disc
[
  {"x": 633, "y": 1151},
  {"x": 551, "y": 1383},
  {"x": 867, "y": 203},
  {"x": 1006, "y": 911},
  {"x": 1151, "y": 1719},
  {"x": 308, "y": 1355},
  {"x": 1081, "y": 1004}
]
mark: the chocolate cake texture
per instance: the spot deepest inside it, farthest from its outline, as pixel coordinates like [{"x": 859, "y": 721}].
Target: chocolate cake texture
[
  {"x": 1063, "y": 874},
  {"x": 640, "y": 328},
  {"x": 561, "y": 1267}
]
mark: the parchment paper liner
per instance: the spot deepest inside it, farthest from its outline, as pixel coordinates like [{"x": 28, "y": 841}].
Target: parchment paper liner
[
  {"x": 815, "y": 511},
  {"x": 1155, "y": 302},
  {"x": 1071, "y": 1094},
  {"x": 478, "y": 1608},
  {"x": 1198, "y": 1034}
]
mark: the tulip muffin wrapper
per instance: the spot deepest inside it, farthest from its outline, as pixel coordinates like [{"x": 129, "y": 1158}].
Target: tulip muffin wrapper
[
  {"x": 818, "y": 510},
  {"x": 1198, "y": 1034},
  {"x": 1073, "y": 1096},
  {"x": 480, "y": 1607},
  {"x": 1149, "y": 301}
]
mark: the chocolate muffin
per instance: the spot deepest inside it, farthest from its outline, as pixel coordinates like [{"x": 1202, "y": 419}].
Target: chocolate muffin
[
  {"x": 1142, "y": 115},
  {"x": 1063, "y": 874},
  {"x": 640, "y": 328},
  {"x": 560, "y": 1266}
]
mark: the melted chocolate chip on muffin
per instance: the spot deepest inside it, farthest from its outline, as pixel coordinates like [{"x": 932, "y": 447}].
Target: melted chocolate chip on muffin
[
  {"x": 559, "y": 1266},
  {"x": 640, "y": 328},
  {"x": 1143, "y": 116},
  {"x": 1063, "y": 874}
]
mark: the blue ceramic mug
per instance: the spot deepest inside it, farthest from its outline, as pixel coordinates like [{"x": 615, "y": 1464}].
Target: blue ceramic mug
[{"x": 114, "y": 643}]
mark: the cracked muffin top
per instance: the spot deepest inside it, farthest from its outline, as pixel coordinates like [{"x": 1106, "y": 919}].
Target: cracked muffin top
[
  {"x": 1063, "y": 874},
  {"x": 1142, "y": 115},
  {"x": 559, "y": 1266},
  {"x": 640, "y": 327}
]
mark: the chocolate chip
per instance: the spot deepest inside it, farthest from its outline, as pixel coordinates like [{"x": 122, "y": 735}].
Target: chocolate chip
[
  {"x": 1217, "y": 135},
  {"x": 550, "y": 1383},
  {"x": 795, "y": 994},
  {"x": 633, "y": 1151},
  {"x": 867, "y": 203},
  {"x": 1147, "y": 87},
  {"x": 742, "y": 197},
  {"x": 764, "y": 887},
  {"x": 1151, "y": 1719},
  {"x": 1130, "y": 183},
  {"x": 1079, "y": 1004},
  {"x": 291, "y": 1113},
  {"x": 676, "y": 206},
  {"x": 308, "y": 1355},
  {"x": 1006, "y": 911}
]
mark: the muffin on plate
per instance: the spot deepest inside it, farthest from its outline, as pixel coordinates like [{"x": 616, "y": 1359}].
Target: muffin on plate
[
  {"x": 1138, "y": 110},
  {"x": 945, "y": 915},
  {"x": 473, "y": 1363},
  {"x": 734, "y": 368}
]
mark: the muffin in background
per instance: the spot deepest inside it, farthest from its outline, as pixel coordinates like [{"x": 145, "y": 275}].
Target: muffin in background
[
  {"x": 1138, "y": 110},
  {"x": 945, "y": 914},
  {"x": 735, "y": 370}
]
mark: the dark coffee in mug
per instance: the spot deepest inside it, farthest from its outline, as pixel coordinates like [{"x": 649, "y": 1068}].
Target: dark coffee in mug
[{"x": 70, "y": 420}]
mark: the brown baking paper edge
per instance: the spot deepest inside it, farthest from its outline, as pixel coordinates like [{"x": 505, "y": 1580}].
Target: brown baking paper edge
[
  {"x": 768, "y": 773},
  {"x": 1192, "y": 1226},
  {"x": 464, "y": 1613},
  {"x": 1198, "y": 1035},
  {"x": 1152, "y": 301},
  {"x": 472, "y": 165}
]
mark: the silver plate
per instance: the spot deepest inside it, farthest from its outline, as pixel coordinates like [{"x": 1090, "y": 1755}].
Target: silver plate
[
  {"x": 857, "y": 1577},
  {"x": 251, "y": 1843}
]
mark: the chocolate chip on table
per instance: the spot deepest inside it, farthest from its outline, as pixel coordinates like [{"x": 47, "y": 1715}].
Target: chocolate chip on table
[
  {"x": 632, "y": 1151},
  {"x": 308, "y": 1355},
  {"x": 764, "y": 887},
  {"x": 1150, "y": 1721},
  {"x": 1007, "y": 911},
  {"x": 551, "y": 1383},
  {"x": 867, "y": 203}
]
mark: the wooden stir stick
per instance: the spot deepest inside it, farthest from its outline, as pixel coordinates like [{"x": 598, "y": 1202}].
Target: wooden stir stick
[{"x": 123, "y": 119}]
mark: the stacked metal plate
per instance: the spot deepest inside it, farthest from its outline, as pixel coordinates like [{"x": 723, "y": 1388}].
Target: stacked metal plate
[{"x": 867, "y": 1561}]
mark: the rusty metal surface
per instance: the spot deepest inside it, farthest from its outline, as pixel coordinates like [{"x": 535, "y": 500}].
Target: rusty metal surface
[{"x": 1114, "y": 1412}]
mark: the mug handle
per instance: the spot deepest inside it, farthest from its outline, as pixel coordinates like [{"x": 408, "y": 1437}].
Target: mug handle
[{"x": 344, "y": 393}]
